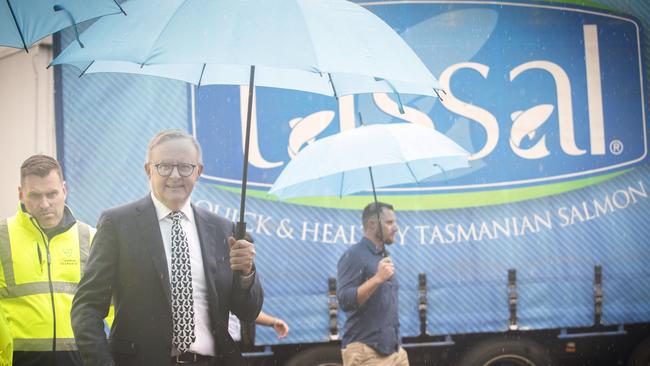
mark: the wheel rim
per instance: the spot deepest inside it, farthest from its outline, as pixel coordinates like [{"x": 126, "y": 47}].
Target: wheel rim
[{"x": 509, "y": 360}]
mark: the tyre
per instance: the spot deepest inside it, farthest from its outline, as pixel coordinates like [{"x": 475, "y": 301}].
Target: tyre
[
  {"x": 318, "y": 356},
  {"x": 507, "y": 352},
  {"x": 641, "y": 354}
]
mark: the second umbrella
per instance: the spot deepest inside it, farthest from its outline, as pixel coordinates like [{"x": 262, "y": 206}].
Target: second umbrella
[{"x": 369, "y": 157}]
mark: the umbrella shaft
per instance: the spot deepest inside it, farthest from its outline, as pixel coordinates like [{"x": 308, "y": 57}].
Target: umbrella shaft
[
  {"x": 374, "y": 195},
  {"x": 372, "y": 181},
  {"x": 242, "y": 204}
]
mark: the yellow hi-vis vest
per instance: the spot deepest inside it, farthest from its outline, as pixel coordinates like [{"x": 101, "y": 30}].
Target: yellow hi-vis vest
[
  {"x": 6, "y": 342},
  {"x": 26, "y": 294}
]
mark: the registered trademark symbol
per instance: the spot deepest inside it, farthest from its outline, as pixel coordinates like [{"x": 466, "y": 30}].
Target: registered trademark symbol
[{"x": 616, "y": 147}]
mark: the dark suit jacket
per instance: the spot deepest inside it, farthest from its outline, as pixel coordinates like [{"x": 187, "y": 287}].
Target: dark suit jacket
[{"x": 127, "y": 262}]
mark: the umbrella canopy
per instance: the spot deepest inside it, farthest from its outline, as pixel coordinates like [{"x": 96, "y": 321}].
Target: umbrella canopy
[
  {"x": 370, "y": 156},
  {"x": 24, "y": 22},
  {"x": 332, "y": 47},
  {"x": 331, "y": 84}
]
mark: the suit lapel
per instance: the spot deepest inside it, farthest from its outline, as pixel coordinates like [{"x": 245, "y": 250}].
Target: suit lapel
[{"x": 152, "y": 238}]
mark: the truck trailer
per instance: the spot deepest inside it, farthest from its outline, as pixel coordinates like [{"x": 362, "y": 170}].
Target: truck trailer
[{"x": 538, "y": 253}]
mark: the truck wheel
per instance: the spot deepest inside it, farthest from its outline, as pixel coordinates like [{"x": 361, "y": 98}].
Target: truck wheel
[
  {"x": 511, "y": 352},
  {"x": 641, "y": 354},
  {"x": 318, "y": 356}
]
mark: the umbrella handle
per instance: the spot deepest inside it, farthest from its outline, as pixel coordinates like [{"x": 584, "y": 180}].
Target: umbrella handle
[
  {"x": 58, "y": 7},
  {"x": 240, "y": 233},
  {"x": 240, "y": 230}
]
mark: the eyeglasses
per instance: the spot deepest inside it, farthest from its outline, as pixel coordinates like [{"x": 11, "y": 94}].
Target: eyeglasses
[{"x": 166, "y": 169}]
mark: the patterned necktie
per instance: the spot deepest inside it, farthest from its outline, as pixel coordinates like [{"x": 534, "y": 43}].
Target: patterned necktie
[{"x": 181, "y": 284}]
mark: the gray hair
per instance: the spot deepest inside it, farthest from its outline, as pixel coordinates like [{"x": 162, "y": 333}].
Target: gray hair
[{"x": 173, "y": 134}]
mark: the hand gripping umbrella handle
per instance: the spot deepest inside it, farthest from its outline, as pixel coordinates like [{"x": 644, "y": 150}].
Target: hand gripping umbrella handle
[{"x": 240, "y": 230}]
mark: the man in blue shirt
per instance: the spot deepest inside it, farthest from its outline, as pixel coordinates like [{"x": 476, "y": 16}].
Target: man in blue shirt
[{"x": 367, "y": 292}]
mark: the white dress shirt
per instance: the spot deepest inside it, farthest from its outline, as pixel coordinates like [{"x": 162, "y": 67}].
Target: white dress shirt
[
  {"x": 234, "y": 327},
  {"x": 204, "y": 344}
]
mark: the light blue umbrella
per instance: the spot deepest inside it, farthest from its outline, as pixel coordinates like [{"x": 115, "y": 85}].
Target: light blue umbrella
[
  {"x": 369, "y": 157},
  {"x": 331, "y": 47},
  {"x": 24, "y": 22}
]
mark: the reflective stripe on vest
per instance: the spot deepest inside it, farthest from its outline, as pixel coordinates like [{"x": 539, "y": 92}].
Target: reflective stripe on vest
[
  {"x": 44, "y": 344},
  {"x": 5, "y": 254},
  {"x": 35, "y": 288},
  {"x": 84, "y": 245}
]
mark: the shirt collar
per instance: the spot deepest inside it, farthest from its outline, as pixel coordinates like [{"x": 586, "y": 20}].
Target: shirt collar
[
  {"x": 67, "y": 221},
  {"x": 163, "y": 211},
  {"x": 371, "y": 246}
]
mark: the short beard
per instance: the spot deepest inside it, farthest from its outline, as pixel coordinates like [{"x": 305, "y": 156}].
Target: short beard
[{"x": 381, "y": 237}]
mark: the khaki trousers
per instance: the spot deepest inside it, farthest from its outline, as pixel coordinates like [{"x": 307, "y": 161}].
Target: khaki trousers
[{"x": 359, "y": 354}]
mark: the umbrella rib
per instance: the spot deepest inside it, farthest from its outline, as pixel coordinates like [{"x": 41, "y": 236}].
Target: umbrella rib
[
  {"x": 341, "y": 186},
  {"x": 309, "y": 35},
  {"x": 118, "y": 5},
  {"x": 435, "y": 90},
  {"x": 87, "y": 67},
  {"x": 20, "y": 33},
  {"x": 329, "y": 75},
  {"x": 400, "y": 106},
  {"x": 201, "y": 76},
  {"x": 443, "y": 171},
  {"x": 412, "y": 174},
  {"x": 159, "y": 34}
]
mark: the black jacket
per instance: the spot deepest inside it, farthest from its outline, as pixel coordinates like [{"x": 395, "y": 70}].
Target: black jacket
[{"x": 127, "y": 262}]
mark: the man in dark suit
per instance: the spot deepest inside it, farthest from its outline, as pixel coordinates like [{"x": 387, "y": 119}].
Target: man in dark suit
[{"x": 173, "y": 270}]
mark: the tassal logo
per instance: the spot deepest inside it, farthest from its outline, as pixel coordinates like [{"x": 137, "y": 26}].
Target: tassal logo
[{"x": 548, "y": 115}]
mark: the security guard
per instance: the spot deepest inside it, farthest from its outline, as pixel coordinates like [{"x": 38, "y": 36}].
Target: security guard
[{"x": 43, "y": 250}]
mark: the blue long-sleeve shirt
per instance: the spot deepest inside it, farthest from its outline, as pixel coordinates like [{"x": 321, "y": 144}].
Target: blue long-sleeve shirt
[{"x": 375, "y": 323}]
